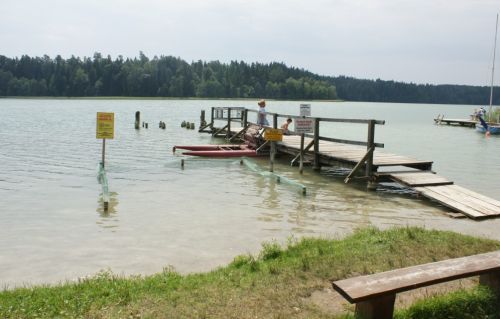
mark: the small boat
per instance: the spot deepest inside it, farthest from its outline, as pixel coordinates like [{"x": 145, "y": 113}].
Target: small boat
[
  {"x": 492, "y": 128},
  {"x": 206, "y": 147},
  {"x": 483, "y": 126},
  {"x": 219, "y": 150},
  {"x": 252, "y": 141}
]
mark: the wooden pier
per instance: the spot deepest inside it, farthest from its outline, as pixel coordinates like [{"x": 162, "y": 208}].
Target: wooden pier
[
  {"x": 363, "y": 157},
  {"x": 440, "y": 120}
]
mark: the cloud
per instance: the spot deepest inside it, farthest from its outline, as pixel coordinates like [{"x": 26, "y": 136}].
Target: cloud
[{"x": 422, "y": 41}]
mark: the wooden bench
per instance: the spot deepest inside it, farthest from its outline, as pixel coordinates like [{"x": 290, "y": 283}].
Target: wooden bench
[{"x": 374, "y": 295}]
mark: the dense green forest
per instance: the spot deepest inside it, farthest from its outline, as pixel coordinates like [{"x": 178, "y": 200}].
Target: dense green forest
[
  {"x": 168, "y": 76},
  {"x": 164, "y": 76}
]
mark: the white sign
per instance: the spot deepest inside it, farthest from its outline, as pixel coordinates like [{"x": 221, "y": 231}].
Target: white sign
[
  {"x": 303, "y": 126},
  {"x": 305, "y": 110}
]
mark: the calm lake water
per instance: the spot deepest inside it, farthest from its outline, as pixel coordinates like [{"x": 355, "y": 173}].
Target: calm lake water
[{"x": 52, "y": 227}]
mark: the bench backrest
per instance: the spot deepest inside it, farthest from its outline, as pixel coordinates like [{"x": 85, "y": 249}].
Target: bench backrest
[{"x": 390, "y": 282}]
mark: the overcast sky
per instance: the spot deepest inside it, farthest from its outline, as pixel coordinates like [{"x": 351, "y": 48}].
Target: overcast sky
[{"x": 419, "y": 41}]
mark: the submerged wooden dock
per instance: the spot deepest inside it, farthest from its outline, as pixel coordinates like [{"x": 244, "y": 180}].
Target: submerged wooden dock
[{"x": 361, "y": 156}]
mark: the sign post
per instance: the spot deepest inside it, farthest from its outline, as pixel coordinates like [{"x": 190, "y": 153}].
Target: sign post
[
  {"x": 105, "y": 129},
  {"x": 305, "y": 110},
  {"x": 302, "y": 126},
  {"x": 273, "y": 135}
]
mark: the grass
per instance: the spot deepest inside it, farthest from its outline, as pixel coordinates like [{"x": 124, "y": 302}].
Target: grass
[
  {"x": 494, "y": 116},
  {"x": 274, "y": 284}
]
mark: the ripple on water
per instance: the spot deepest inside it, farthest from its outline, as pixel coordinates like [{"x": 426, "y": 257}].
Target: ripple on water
[{"x": 203, "y": 215}]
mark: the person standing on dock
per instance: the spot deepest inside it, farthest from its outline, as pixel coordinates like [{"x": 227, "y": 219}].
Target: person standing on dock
[{"x": 261, "y": 116}]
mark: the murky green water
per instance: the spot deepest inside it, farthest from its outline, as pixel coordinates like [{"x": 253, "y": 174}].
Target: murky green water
[{"x": 52, "y": 226}]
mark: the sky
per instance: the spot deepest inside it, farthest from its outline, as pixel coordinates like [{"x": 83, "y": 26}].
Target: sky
[{"x": 418, "y": 41}]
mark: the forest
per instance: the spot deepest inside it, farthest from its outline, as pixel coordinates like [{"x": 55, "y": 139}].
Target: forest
[
  {"x": 168, "y": 76},
  {"x": 164, "y": 76}
]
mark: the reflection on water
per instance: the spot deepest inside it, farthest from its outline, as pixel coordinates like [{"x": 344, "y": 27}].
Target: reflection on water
[
  {"x": 108, "y": 219},
  {"x": 52, "y": 223}
]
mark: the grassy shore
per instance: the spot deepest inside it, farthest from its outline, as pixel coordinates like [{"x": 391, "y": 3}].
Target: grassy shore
[{"x": 275, "y": 284}]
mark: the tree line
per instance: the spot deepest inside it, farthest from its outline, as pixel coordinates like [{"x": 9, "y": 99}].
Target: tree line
[
  {"x": 164, "y": 76},
  {"x": 352, "y": 89},
  {"x": 168, "y": 76}
]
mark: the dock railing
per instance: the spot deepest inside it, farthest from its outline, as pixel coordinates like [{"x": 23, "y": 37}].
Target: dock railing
[{"x": 239, "y": 114}]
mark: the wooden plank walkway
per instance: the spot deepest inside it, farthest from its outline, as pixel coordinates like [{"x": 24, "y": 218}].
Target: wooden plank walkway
[
  {"x": 438, "y": 188},
  {"x": 418, "y": 178},
  {"x": 467, "y": 202},
  {"x": 350, "y": 154},
  {"x": 422, "y": 179}
]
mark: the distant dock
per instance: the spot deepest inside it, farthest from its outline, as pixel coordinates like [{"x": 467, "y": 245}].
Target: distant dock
[
  {"x": 364, "y": 157},
  {"x": 440, "y": 120}
]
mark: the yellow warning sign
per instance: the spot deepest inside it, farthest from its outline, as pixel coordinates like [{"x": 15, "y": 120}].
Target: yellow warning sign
[
  {"x": 105, "y": 128},
  {"x": 273, "y": 134}
]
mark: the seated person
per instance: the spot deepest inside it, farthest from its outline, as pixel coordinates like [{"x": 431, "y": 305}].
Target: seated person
[{"x": 284, "y": 127}]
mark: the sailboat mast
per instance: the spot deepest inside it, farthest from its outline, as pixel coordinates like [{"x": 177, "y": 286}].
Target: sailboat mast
[{"x": 493, "y": 72}]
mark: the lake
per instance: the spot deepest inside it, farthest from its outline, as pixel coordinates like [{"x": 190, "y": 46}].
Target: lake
[{"x": 53, "y": 228}]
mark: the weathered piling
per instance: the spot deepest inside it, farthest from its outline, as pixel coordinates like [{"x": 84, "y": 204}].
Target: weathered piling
[
  {"x": 137, "y": 119},
  {"x": 203, "y": 121},
  {"x": 370, "y": 146}
]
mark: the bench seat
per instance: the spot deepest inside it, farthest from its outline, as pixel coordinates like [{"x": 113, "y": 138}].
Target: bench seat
[{"x": 375, "y": 294}]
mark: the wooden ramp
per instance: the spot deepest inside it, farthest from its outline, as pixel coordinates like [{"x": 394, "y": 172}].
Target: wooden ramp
[{"x": 438, "y": 188}]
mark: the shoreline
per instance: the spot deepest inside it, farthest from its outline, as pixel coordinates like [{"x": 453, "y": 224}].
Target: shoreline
[{"x": 278, "y": 281}]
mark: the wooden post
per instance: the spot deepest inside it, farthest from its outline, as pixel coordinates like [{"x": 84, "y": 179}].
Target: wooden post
[
  {"x": 492, "y": 280},
  {"x": 380, "y": 308},
  {"x": 301, "y": 163},
  {"x": 317, "y": 165},
  {"x": 275, "y": 120},
  {"x": 273, "y": 151},
  {"x": 245, "y": 118},
  {"x": 212, "y": 119},
  {"x": 137, "y": 119},
  {"x": 369, "y": 161},
  {"x": 228, "y": 134},
  {"x": 103, "y": 151},
  {"x": 203, "y": 122}
]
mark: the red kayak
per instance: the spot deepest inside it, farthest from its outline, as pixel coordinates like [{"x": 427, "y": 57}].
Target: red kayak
[
  {"x": 252, "y": 138},
  {"x": 206, "y": 147},
  {"x": 223, "y": 153},
  {"x": 218, "y": 150}
]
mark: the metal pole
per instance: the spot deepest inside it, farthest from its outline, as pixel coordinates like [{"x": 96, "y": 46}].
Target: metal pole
[
  {"x": 493, "y": 71},
  {"x": 103, "y": 151}
]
